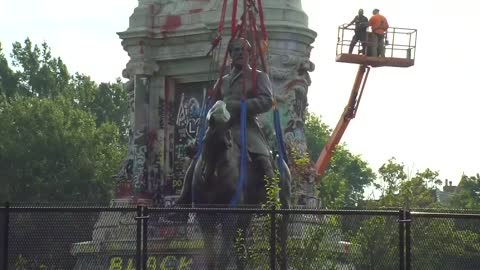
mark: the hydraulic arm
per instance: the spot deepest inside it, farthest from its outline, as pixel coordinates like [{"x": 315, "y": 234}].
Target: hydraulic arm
[{"x": 348, "y": 114}]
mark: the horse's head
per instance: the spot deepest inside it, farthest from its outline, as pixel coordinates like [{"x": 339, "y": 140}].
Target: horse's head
[
  {"x": 218, "y": 115},
  {"x": 218, "y": 131}
]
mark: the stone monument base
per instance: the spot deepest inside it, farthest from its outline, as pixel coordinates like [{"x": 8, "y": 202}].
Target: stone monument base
[{"x": 170, "y": 245}]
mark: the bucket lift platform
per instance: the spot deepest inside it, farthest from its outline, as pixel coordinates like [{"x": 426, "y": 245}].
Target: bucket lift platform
[
  {"x": 400, "y": 52},
  {"x": 400, "y": 47}
]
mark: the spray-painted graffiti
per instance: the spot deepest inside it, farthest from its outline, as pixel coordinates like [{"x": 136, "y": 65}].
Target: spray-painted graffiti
[
  {"x": 153, "y": 262},
  {"x": 190, "y": 99},
  {"x": 188, "y": 116},
  {"x": 153, "y": 162},
  {"x": 139, "y": 158}
]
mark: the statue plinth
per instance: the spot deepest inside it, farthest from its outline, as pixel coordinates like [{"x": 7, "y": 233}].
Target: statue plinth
[{"x": 114, "y": 240}]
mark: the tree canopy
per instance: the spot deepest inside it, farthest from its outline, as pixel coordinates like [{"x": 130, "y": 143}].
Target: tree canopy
[{"x": 63, "y": 136}]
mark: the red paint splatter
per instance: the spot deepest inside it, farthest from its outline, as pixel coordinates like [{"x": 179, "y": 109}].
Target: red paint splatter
[{"x": 172, "y": 23}]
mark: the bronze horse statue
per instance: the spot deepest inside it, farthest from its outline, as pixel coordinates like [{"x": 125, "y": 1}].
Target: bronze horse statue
[{"x": 214, "y": 177}]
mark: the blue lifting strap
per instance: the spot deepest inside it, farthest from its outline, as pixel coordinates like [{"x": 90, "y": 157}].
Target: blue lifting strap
[
  {"x": 203, "y": 126},
  {"x": 280, "y": 144},
  {"x": 243, "y": 155}
]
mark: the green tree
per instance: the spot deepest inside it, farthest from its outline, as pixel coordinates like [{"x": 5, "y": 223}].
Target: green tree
[
  {"x": 391, "y": 173},
  {"x": 50, "y": 151},
  {"x": 398, "y": 191},
  {"x": 468, "y": 193},
  {"x": 345, "y": 179},
  {"x": 437, "y": 243},
  {"x": 8, "y": 79},
  {"x": 319, "y": 248},
  {"x": 375, "y": 244},
  {"x": 107, "y": 101},
  {"x": 316, "y": 134},
  {"x": 60, "y": 133},
  {"x": 333, "y": 191},
  {"x": 354, "y": 171},
  {"x": 40, "y": 74}
]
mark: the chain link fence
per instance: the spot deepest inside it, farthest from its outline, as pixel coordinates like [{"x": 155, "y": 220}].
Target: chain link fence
[{"x": 172, "y": 238}]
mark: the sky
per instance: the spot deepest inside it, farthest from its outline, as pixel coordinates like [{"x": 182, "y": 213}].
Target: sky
[{"x": 425, "y": 116}]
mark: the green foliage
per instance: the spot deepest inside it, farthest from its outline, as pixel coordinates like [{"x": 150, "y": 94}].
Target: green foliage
[
  {"x": 468, "y": 193},
  {"x": 40, "y": 74},
  {"x": 318, "y": 249},
  {"x": 375, "y": 244},
  {"x": 107, "y": 101},
  {"x": 399, "y": 192},
  {"x": 8, "y": 79},
  {"x": 439, "y": 244},
  {"x": 250, "y": 253},
  {"x": 333, "y": 191},
  {"x": 272, "y": 188},
  {"x": 391, "y": 174},
  {"x": 62, "y": 136},
  {"x": 316, "y": 134},
  {"x": 51, "y": 151},
  {"x": 345, "y": 179},
  {"x": 436, "y": 243},
  {"x": 300, "y": 168},
  {"x": 351, "y": 171}
]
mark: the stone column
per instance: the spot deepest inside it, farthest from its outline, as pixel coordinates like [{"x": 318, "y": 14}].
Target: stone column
[{"x": 138, "y": 178}]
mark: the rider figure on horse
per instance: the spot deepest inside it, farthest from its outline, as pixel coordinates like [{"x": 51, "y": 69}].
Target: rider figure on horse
[{"x": 258, "y": 100}]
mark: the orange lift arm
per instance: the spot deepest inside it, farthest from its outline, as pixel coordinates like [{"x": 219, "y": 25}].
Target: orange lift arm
[{"x": 348, "y": 114}]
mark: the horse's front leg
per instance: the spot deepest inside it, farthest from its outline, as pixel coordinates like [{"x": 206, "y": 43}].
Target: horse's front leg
[
  {"x": 207, "y": 226},
  {"x": 228, "y": 240},
  {"x": 242, "y": 255}
]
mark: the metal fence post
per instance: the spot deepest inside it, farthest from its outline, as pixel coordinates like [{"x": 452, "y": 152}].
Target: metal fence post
[
  {"x": 145, "y": 218},
  {"x": 273, "y": 239},
  {"x": 408, "y": 240},
  {"x": 5, "y": 236},
  {"x": 401, "y": 238},
  {"x": 138, "y": 257}
]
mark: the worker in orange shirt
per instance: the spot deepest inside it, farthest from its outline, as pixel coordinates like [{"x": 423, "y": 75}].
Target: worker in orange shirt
[{"x": 379, "y": 25}]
